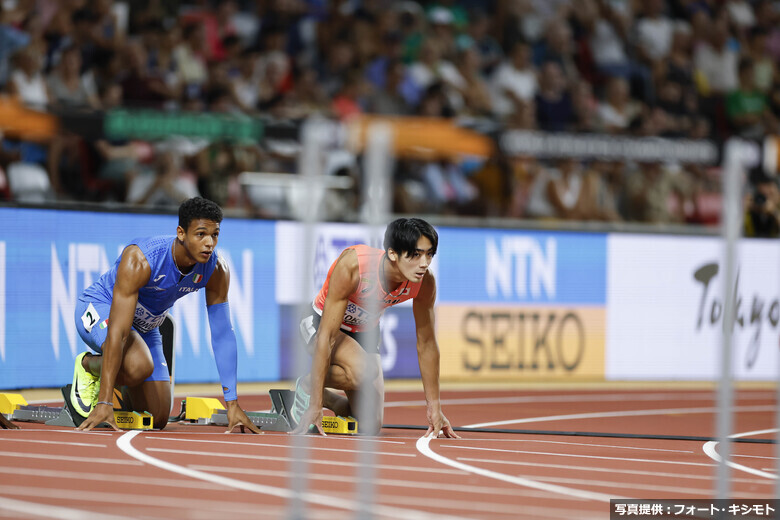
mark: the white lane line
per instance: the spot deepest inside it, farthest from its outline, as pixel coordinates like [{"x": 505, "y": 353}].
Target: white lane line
[
  {"x": 705, "y": 493},
  {"x": 314, "y": 448},
  {"x": 28, "y": 431},
  {"x": 753, "y": 456},
  {"x": 627, "y": 485},
  {"x": 105, "y": 477},
  {"x": 69, "y": 458},
  {"x": 599, "y": 457},
  {"x": 125, "y": 444},
  {"x": 710, "y": 448},
  {"x": 591, "y": 445},
  {"x": 61, "y": 443},
  {"x": 178, "y": 506},
  {"x": 621, "y": 413},
  {"x": 58, "y": 512},
  {"x": 495, "y": 509},
  {"x": 405, "y": 483},
  {"x": 423, "y": 446},
  {"x": 569, "y": 467},
  {"x": 575, "y": 398},
  {"x": 276, "y": 458}
]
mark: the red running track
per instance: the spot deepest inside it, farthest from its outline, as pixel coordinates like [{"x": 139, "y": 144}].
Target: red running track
[{"x": 193, "y": 472}]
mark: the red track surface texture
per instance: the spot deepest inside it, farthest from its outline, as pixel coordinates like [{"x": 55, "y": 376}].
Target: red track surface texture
[{"x": 195, "y": 472}]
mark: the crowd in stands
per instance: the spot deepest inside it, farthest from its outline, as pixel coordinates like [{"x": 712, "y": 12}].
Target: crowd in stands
[{"x": 698, "y": 69}]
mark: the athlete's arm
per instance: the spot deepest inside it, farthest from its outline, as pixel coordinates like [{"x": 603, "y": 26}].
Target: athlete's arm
[
  {"x": 223, "y": 343},
  {"x": 343, "y": 282},
  {"x": 428, "y": 356},
  {"x": 132, "y": 274}
]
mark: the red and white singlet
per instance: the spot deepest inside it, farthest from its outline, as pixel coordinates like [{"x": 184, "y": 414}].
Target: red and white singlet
[{"x": 369, "y": 295}]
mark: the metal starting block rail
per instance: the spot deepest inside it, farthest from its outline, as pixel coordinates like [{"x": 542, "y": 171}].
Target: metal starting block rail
[
  {"x": 15, "y": 408},
  {"x": 209, "y": 411}
]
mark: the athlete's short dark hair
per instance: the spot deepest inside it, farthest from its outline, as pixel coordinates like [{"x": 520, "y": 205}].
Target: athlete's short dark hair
[
  {"x": 402, "y": 235},
  {"x": 198, "y": 208}
]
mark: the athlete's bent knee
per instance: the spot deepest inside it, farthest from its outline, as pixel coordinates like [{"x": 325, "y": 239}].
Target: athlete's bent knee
[
  {"x": 369, "y": 427},
  {"x": 160, "y": 422},
  {"x": 135, "y": 375}
]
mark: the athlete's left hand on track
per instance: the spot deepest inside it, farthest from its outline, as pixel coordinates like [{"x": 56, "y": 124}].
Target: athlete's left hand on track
[
  {"x": 438, "y": 424},
  {"x": 237, "y": 417},
  {"x": 101, "y": 413}
]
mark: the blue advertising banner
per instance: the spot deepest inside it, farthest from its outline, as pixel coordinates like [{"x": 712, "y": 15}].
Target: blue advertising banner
[
  {"x": 48, "y": 257},
  {"x": 513, "y": 266},
  {"x": 398, "y": 346}
]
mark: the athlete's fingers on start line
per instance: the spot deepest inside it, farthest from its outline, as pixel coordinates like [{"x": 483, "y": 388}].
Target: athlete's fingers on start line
[
  {"x": 88, "y": 424},
  {"x": 244, "y": 423},
  {"x": 450, "y": 433}
]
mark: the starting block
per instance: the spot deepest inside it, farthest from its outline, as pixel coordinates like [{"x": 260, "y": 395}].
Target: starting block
[
  {"x": 67, "y": 416},
  {"x": 209, "y": 411},
  {"x": 282, "y": 403}
]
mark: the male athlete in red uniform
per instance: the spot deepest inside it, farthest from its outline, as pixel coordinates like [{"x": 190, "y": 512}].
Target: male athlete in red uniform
[{"x": 361, "y": 284}]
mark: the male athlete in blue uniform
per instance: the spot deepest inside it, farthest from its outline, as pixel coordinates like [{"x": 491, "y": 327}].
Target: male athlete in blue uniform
[{"x": 118, "y": 317}]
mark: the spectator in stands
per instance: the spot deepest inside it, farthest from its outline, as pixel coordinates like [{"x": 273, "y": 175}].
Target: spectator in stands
[
  {"x": 442, "y": 30},
  {"x": 139, "y": 86},
  {"x": 585, "y": 106},
  {"x": 245, "y": 82},
  {"x": 557, "y": 46},
  {"x": 603, "y": 185},
  {"x": 514, "y": 81},
  {"x": 741, "y": 15},
  {"x": 617, "y": 110},
  {"x": 190, "y": 58},
  {"x": 348, "y": 102},
  {"x": 658, "y": 194},
  {"x": 654, "y": 32},
  {"x": 767, "y": 17},
  {"x": 449, "y": 190},
  {"x": 715, "y": 60},
  {"x": 11, "y": 40},
  {"x": 554, "y": 109},
  {"x": 746, "y": 106},
  {"x": 166, "y": 186},
  {"x": 762, "y": 213},
  {"x": 431, "y": 68},
  {"x": 68, "y": 87},
  {"x": 307, "y": 96},
  {"x": 679, "y": 65},
  {"x": 764, "y": 66},
  {"x": 608, "y": 29},
  {"x": 27, "y": 80},
  {"x": 470, "y": 86},
  {"x": 388, "y": 99},
  {"x": 556, "y": 192},
  {"x": 480, "y": 34}
]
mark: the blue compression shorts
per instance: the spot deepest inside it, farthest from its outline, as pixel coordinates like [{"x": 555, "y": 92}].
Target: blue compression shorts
[{"x": 97, "y": 336}]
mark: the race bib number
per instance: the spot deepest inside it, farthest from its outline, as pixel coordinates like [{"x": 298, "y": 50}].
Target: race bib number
[
  {"x": 307, "y": 329},
  {"x": 90, "y": 318},
  {"x": 144, "y": 320}
]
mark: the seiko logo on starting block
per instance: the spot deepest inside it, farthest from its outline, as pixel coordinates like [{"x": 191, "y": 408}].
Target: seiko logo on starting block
[
  {"x": 133, "y": 420},
  {"x": 341, "y": 425}
]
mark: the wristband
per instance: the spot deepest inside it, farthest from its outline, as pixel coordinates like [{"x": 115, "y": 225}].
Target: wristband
[{"x": 106, "y": 402}]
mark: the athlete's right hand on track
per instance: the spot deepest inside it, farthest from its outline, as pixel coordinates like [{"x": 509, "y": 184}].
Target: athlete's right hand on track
[
  {"x": 101, "y": 413},
  {"x": 310, "y": 416}
]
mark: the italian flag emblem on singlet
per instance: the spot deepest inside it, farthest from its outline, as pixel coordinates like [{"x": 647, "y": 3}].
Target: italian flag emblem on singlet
[{"x": 197, "y": 277}]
